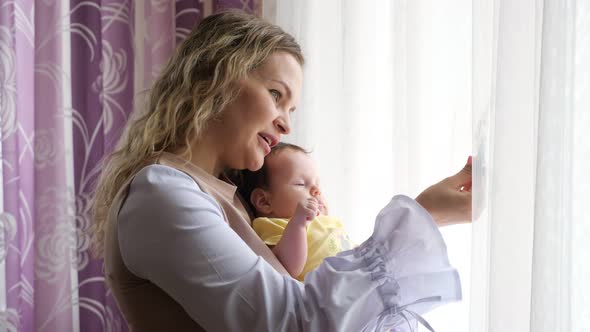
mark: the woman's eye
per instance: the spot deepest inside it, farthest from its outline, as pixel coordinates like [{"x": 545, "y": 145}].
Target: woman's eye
[{"x": 276, "y": 95}]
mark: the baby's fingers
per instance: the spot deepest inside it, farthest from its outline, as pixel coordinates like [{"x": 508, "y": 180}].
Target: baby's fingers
[
  {"x": 312, "y": 207},
  {"x": 312, "y": 203}
]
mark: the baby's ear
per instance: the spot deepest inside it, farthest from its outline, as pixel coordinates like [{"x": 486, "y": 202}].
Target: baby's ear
[{"x": 260, "y": 198}]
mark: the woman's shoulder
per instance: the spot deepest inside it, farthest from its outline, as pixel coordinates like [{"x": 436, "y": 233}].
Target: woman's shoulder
[
  {"x": 162, "y": 205},
  {"x": 164, "y": 189},
  {"x": 161, "y": 176},
  {"x": 166, "y": 180}
]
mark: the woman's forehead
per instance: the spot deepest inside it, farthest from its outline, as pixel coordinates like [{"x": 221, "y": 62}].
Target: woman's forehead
[{"x": 283, "y": 68}]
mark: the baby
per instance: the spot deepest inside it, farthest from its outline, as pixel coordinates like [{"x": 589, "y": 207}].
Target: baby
[
  {"x": 292, "y": 215},
  {"x": 292, "y": 218}
]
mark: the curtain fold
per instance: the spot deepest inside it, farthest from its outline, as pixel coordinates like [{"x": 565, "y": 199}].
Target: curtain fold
[
  {"x": 560, "y": 292},
  {"x": 530, "y": 105},
  {"x": 70, "y": 74}
]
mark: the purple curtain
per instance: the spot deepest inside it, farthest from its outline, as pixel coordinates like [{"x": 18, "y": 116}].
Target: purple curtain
[{"x": 69, "y": 74}]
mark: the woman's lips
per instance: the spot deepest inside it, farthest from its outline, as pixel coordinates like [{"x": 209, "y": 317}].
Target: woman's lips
[
  {"x": 265, "y": 145},
  {"x": 272, "y": 140}
]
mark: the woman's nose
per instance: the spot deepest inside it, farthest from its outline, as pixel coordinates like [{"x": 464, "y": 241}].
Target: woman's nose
[{"x": 283, "y": 124}]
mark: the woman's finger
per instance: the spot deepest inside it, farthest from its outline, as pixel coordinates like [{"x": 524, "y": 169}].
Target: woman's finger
[
  {"x": 463, "y": 177},
  {"x": 467, "y": 187}
]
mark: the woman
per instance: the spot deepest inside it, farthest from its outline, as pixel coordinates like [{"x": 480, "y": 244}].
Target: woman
[{"x": 179, "y": 251}]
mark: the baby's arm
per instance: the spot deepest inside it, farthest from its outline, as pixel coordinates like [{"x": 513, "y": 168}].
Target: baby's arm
[{"x": 291, "y": 249}]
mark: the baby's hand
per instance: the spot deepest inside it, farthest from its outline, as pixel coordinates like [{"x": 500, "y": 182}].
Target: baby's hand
[{"x": 306, "y": 211}]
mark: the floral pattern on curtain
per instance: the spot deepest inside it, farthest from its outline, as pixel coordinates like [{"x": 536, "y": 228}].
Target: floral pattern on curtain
[{"x": 69, "y": 73}]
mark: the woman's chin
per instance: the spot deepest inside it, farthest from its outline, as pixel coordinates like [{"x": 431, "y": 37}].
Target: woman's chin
[{"x": 255, "y": 165}]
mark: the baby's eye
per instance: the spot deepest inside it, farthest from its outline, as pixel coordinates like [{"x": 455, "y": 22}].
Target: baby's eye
[
  {"x": 276, "y": 95},
  {"x": 301, "y": 184}
]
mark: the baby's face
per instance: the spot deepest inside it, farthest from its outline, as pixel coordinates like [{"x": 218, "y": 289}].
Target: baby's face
[{"x": 293, "y": 179}]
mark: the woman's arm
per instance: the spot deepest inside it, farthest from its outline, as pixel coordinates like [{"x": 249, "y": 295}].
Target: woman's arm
[
  {"x": 174, "y": 235},
  {"x": 291, "y": 249}
]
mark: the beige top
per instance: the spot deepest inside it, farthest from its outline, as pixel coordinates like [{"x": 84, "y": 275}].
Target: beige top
[{"x": 144, "y": 305}]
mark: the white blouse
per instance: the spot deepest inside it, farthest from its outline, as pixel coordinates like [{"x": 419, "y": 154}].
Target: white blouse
[{"x": 173, "y": 234}]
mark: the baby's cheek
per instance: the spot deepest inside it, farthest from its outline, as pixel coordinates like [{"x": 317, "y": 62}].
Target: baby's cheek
[{"x": 291, "y": 205}]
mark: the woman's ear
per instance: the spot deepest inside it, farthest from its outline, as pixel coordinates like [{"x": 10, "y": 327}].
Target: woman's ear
[{"x": 260, "y": 198}]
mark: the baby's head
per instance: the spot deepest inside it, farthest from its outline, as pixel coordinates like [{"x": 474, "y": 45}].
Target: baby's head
[{"x": 288, "y": 176}]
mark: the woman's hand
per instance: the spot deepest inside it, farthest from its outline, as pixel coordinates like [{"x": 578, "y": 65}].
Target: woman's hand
[{"x": 449, "y": 201}]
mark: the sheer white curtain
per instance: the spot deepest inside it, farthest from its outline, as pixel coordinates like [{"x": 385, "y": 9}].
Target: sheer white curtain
[
  {"x": 386, "y": 107},
  {"x": 532, "y": 188}
]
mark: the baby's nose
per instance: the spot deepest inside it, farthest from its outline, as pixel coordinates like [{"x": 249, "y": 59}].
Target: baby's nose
[{"x": 315, "y": 191}]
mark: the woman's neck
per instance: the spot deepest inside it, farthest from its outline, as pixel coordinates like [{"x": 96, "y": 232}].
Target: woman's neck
[{"x": 204, "y": 155}]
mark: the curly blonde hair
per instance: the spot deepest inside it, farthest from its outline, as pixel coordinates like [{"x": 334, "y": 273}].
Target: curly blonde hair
[{"x": 194, "y": 87}]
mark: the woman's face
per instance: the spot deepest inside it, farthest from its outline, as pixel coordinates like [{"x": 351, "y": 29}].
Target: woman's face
[{"x": 260, "y": 114}]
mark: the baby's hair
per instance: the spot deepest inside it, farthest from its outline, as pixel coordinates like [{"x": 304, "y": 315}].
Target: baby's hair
[{"x": 247, "y": 181}]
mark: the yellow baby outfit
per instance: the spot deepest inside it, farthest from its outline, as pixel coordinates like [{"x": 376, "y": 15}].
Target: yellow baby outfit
[{"x": 325, "y": 237}]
